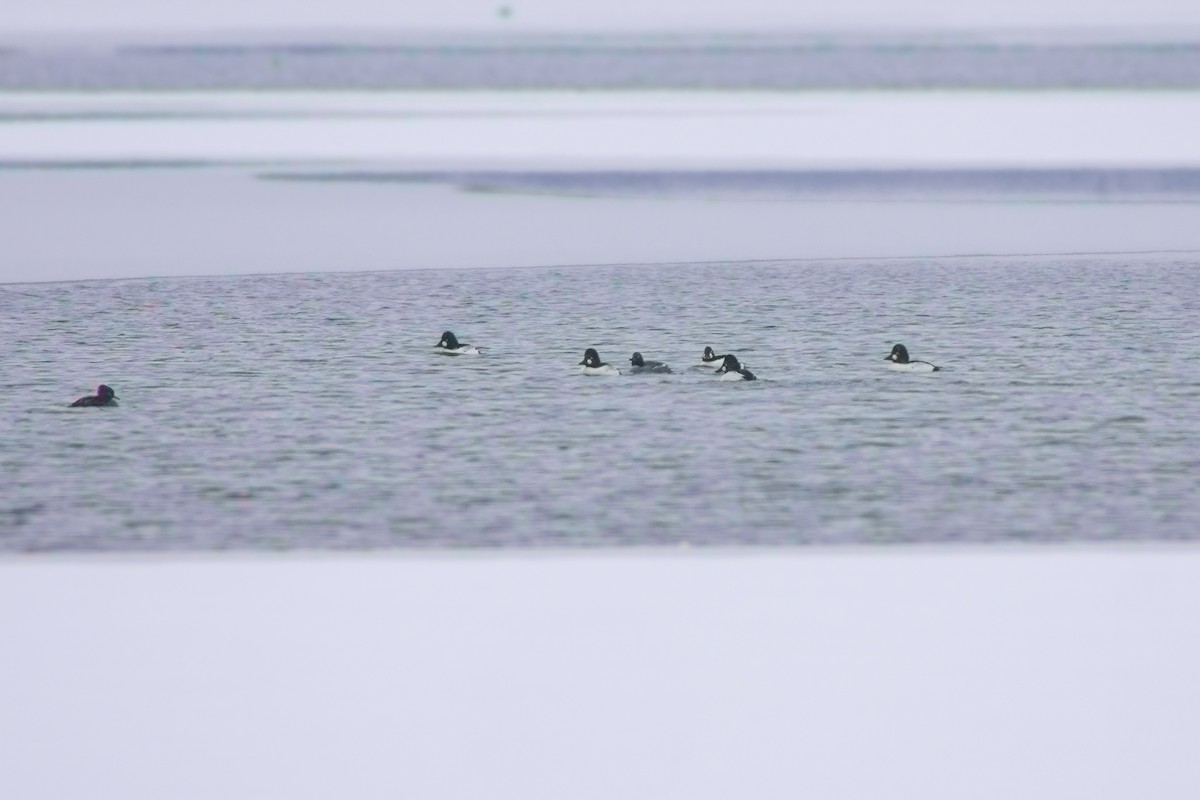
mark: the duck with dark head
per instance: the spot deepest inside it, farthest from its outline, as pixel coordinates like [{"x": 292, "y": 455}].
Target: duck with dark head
[
  {"x": 104, "y": 396},
  {"x": 451, "y": 346},
  {"x": 592, "y": 365},
  {"x": 711, "y": 359},
  {"x": 900, "y": 362},
  {"x": 640, "y": 365},
  {"x": 732, "y": 370}
]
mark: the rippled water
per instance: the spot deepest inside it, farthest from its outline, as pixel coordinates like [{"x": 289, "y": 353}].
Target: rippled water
[{"x": 313, "y": 411}]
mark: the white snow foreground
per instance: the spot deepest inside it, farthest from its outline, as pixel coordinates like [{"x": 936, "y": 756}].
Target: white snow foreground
[{"x": 859, "y": 673}]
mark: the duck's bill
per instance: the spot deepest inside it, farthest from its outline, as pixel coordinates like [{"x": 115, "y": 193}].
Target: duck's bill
[{"x": 887, "y": 358}]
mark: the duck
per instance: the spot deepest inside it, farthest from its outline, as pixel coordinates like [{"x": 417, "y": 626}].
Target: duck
[
  {"x": 711, "y": 359},
  {"x": 732, "y": 370},
  {"x": 104, "y": 396},
  {"x": 592, "y": 365},
  {"x": 900, "y": 362},
  {"x": 452, "y": 347},
  {"x": 641, "y": 365}
]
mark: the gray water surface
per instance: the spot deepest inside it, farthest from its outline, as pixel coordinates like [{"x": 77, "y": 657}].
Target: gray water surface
[
  {"x": 628, "y": 61},
  {"x": 313, "y": 411},
  {"x": 1044, "y": 185}
]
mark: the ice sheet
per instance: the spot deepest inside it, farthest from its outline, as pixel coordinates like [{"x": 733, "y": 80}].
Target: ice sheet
[
  {"x": 617, "y": 129},
  {"x": 985, "y": 673}
]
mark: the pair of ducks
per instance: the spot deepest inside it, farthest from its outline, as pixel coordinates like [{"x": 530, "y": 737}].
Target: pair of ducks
[
  {"x": 592, "y": 365},
  {"x": 105, "y": 396},
  {"x": 727, "y": 366}
]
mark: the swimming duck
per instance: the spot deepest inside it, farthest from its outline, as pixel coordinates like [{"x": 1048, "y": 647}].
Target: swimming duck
[
  {"x": 732, "y": 370},
  {"x": 592, "y": 365},
  {"x": 641, "y": 365},
  {"x": 452, "y": 347},
  {"x": 900, "y": 361},
  {"x": 711, "y": 359},
  {"x": 104, "y": 396}
]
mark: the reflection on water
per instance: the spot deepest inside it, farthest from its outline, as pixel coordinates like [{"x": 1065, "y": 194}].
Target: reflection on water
[{"x": 313, "y": 411}]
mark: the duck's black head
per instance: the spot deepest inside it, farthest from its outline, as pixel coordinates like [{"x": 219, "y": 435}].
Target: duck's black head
[
  {"x": 105, "y": 393},
  {"x": 730, "y": 364},
  {"x": 590, "y": 358},
  {"x": 899, "y": 354},
  {"x": 637, "y": 360},
  {"x": 709, "y": 353},
  {"x": 449, "y": 341}
]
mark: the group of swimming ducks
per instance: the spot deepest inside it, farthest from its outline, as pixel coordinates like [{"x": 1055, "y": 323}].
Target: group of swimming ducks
[{"x": 727, "y": 366}]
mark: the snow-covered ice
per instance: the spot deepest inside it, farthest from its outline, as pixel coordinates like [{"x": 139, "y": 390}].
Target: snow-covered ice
[
  {"x": 856, "y": 673},
  {"x": 620, "y": 129}
]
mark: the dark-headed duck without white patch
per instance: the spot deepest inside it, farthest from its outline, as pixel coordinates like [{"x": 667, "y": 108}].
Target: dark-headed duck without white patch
[
  {"x": 104, "y": 396},
  {"x": 642, "y": 366}
]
